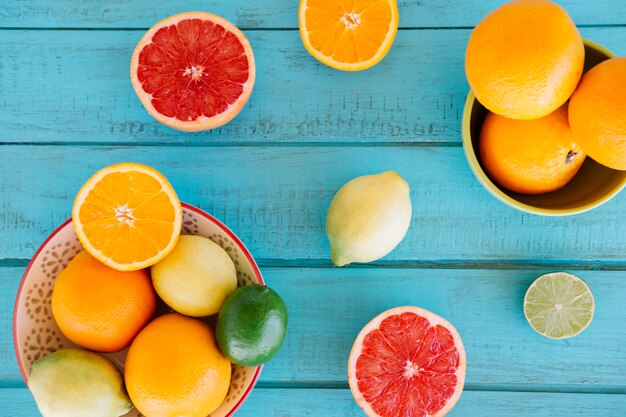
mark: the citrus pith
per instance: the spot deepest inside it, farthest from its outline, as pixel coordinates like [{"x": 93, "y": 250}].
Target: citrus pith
[
  {"x": 407, "y": 362},
  {"x": 559, "y": 305},
  {"x": 193, "y": 71},
  {"x": 127, "y": 216},
  {"x": 349, "y": 36}
]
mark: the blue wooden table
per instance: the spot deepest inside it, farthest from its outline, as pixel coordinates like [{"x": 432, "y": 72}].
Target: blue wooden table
[{"x": 67, "y": 108}]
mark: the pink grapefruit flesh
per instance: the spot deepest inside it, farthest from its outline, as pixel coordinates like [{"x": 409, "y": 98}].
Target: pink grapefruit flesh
[
  {"x": 193, "y": 71},
  {"x": 407, "y": 362}
]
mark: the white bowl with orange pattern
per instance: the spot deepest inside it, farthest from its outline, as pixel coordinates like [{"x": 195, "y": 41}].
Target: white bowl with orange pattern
[{"x": 36, "y": 334}]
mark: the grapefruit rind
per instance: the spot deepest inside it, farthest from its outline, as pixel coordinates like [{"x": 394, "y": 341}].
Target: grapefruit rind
[
  {"x": 100, "y": 255},
  {"x": 375, "y": 324},
  {"x": 384, "y": 48},
  {"x": 202, "y": 122}
]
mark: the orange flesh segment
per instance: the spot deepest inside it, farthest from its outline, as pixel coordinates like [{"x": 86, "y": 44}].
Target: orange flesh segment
[
  {"x": 407, "y": 367},
  {"x": 129, "y": 217},
  {"x": 348, "y": 31}
]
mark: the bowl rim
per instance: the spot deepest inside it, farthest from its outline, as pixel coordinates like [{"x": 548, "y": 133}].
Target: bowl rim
[
  {"x": 196, "y": 210},
  {"x": 494, "y": 190}
]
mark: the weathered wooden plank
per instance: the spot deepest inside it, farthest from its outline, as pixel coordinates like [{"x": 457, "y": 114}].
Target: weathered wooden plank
[
  {"x": 339, "y": 402},
  {"x": 264, "y": 14},
  {"x": 276, "y": 199},
  {"x": 9, "y": 282},
  {"x": 296, "y": 99},
  {"x": 64, "y": 86},
  {"x": 328, "y": 307}
]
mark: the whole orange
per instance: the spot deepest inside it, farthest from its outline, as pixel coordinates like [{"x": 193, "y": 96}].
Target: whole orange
[
  {"x": 174, "y": 368},
  {"x": 524, "y": 60},
  {"x": 100, "y": 308},
  {"x": 530, "y": 156},
  {"x": 597, "y": 113}
]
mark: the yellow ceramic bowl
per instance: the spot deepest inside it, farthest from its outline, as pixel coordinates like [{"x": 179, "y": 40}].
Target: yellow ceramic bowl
[{"x": 592, "y": 186}]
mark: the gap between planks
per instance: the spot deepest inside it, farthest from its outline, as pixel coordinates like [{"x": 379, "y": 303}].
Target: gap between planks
[
  {"x": 252, "y": 29},
  {"x": 558, "y": 389},
  {"x": 438, "y": 264},
  {"x": 343, "y": 385},
  {"x": 216, "y": 144}
]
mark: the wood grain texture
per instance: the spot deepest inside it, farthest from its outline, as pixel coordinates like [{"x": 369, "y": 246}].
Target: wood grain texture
[
  {"x": 265, "y": 14},
  {"x": 271, "y": 173},
  {"x": 339, "y": 403},
  {"x": 333, "y": 403},
  {"x": 275, "y": 199},
  {"x": 65, "y": 86},
  {"x": 9, "y": 281},
  {"x": 328, "y": 307}
]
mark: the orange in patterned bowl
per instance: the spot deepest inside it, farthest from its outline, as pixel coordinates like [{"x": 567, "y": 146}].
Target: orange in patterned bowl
[{"x": 36, "y": 334}]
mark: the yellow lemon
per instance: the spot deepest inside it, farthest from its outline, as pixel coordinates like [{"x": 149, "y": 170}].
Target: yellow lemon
[
  {"x": 368, "y": 218},
  {"x": 196, "y": 277},
  {"x": 74, "y": 382}
]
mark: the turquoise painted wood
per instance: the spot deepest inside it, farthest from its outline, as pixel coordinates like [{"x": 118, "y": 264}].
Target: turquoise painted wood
[
  {"x": 276, "y": 199},
  {"x": 67, "y": 108},
  {"x": 266, "y": 14},
  {"x": 339, "y": 402},
  {"x": 484, "y": 305},
  {"x": 415, "y": 95}
]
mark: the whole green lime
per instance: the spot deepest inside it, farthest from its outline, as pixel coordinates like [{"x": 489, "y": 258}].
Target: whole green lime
[{"x": 252, "y": 325}]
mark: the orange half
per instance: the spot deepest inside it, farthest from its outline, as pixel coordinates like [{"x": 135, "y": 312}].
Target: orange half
[
  {"x": 349, "y": 35},
  {"x": 127, "y": 216}
]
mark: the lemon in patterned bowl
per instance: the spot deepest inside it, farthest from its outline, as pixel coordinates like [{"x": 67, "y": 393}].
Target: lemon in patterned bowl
[{"x": 36, "y": 334}]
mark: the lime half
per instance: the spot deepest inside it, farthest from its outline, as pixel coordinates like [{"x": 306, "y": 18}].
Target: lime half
[{"x": 559, "y": 305}]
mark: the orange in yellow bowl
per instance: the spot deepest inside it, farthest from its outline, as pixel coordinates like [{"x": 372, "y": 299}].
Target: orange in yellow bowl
[{"x": 593, "y": 185}]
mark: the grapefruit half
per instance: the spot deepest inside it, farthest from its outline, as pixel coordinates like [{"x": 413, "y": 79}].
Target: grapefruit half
[
  {"x": 193, "y": 71},
  {"x": 407, "y": 362}
]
